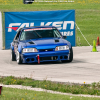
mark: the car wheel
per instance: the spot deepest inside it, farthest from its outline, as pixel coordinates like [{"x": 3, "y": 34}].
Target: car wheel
[
  {"x": 70, "y": 56},
  {"x": 13, "y": 58},
  {"x": 18, "y": 58}
]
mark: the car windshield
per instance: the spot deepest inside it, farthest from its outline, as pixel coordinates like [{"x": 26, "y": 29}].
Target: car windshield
[{"x": 39, "y": 33}]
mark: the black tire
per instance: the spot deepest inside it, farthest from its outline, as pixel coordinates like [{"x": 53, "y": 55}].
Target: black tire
[
  {"x": 13, "y": 57},
  {"x": 70, "y": 56},
  {"x": 18, "y": 58}
]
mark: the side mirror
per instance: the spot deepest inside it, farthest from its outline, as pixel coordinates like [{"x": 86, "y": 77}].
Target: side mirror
[{"x": 64, "y": 37}]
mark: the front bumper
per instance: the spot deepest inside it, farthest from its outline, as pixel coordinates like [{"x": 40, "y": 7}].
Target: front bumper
[{"x": 45, "y": 56}]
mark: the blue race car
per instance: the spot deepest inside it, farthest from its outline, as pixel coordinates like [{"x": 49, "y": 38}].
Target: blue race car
[{"x": 40, "y": 44}]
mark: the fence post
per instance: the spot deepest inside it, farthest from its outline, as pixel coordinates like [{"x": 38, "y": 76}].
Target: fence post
[{"x": 0, "y": 30}]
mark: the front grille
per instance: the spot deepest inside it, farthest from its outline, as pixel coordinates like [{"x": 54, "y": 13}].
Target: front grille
[
  {"x": 48, "y": 58},
  {"x": 45, "y": 50}
]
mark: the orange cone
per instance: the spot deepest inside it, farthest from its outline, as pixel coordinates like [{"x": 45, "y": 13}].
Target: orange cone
[{"x": 98, "y": 43}]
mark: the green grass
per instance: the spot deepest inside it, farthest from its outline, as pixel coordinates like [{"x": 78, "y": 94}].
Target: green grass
[
  {"x": 23, "y": 94},
  {"x": 91, "y": 89},
  {"x": 87, "y": 15}
]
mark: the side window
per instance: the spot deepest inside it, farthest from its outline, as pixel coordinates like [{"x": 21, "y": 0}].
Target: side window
[
  {"x": 56, "y": 33},
  {"x": 22, "y": 36}
]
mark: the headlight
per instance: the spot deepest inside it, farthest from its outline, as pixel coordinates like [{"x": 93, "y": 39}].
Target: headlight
[
  {"x": 25, "y": 50},
  {"x": 58, "y": 48}
]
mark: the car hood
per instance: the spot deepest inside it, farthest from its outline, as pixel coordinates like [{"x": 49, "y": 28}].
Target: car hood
[{"x": 46, "y": 43}]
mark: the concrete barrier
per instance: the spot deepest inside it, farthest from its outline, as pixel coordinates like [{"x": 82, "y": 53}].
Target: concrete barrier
[{"x": 0, "y": 30}]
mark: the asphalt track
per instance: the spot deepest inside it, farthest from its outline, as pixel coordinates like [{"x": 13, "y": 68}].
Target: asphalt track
[{"x": 84, "y": 68}]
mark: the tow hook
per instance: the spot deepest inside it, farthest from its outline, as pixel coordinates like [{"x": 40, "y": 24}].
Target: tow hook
[{"x": 38, "y": 58}]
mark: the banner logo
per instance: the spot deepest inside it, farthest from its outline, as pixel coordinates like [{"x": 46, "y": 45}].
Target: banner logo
[{"x": 62, "y": 25}]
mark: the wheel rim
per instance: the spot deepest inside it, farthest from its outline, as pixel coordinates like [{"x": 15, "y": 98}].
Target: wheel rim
[{"x": 17, "y": 57}]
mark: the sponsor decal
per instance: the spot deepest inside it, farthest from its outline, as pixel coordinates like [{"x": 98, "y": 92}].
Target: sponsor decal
[{"x": 38, "y": 29}]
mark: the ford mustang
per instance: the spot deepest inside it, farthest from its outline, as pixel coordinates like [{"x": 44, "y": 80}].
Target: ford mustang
[{"x": 40, "y": 44}]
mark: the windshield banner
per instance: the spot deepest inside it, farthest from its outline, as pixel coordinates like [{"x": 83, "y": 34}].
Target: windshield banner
[{"x": 64, "y": 20}]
